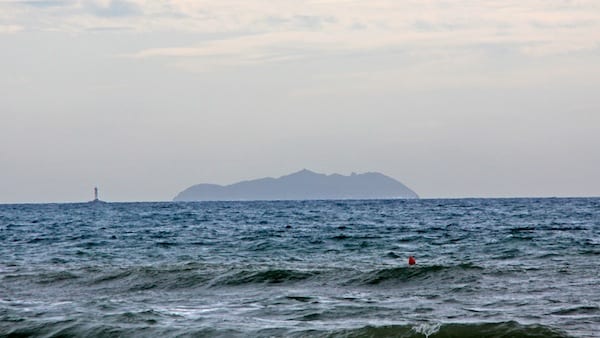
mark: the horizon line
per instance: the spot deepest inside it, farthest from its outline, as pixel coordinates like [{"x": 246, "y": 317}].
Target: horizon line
[{"x": 301, "y": 200}]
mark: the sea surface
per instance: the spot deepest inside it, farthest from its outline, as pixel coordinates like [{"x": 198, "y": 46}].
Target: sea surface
[{"x": 485, "y": 268}]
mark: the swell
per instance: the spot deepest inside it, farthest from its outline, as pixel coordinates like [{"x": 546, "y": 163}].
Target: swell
[
  {"x": 72, "y": 328},
  {"x": 270, "y": 276},
  {"x": 195, "y": 275},
  {"x": 416, "y": 273}
]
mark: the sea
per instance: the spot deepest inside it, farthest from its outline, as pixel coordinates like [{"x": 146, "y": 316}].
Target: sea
[{"x": 527, "y": 267}]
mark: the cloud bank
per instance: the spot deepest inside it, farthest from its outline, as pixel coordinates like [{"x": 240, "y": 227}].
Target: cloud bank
[{"x": 252, "y": 31}]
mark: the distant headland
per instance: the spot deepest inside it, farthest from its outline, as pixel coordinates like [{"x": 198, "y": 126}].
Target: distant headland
[{"x": 302, "y": 185}]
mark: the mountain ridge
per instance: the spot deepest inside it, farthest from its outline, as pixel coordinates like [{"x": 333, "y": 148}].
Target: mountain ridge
[{"x": 302, "y": 185}]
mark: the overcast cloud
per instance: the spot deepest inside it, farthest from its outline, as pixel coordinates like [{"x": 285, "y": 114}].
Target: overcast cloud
[{"x": 144, "y": 98}]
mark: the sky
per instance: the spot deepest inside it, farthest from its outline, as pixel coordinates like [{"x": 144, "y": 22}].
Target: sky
[{"x": 143, "y": 98}]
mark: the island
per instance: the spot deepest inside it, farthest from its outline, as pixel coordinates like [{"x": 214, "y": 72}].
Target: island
[{"x": 302, "y": 185}]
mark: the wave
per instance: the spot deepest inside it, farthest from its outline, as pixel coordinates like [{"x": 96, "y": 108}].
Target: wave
[
  {"x": 414, "y": 273},
  {"x": 197, "y": 275},
  {"x": 585, "y": 309},
  {"x": 477, "y": 330},
  {"x": 145, "y": 328},
  {"x": 272, "y": 276},
  {"x": 72, "y": 328}
]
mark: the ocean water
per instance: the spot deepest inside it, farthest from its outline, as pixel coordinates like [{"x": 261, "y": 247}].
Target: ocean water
[{"x": 485, "y": 268}]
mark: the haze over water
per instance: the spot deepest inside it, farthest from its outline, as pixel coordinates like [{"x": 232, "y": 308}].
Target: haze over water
[{"x": 485, "y": 268}]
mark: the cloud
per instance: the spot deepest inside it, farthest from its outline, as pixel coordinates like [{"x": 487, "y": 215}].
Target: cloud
[
  {"x": 8, "y": 29},
  {"x": 46, "y": 3},
  {"x": 113, "y": 8},
  {"x": 288, "y": 30},
  {"x": 65, "y": 9},
  {"x": 251, "y": 31},
  {"x": 310, "y": 22},
  {"x": 271, "y": 42}
]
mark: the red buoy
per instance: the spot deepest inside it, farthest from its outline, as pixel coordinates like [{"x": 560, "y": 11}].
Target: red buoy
[{"x": 411, "y": 260}]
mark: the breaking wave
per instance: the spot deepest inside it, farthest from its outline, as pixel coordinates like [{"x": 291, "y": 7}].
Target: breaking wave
[{"x": 143, "y": 325}]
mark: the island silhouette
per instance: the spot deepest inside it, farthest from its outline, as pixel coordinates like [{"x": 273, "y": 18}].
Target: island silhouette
[{"x": 302, "y": 185}]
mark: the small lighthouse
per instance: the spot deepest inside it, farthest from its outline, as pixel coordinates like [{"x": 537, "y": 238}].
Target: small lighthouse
[{"x": 96, "y": 200}]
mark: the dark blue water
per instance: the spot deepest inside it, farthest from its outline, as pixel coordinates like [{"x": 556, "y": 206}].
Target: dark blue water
[{"x": 485, "y": 268}]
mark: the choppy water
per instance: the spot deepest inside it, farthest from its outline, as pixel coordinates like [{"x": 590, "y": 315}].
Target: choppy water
[{"x": 485, "y": 268}]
